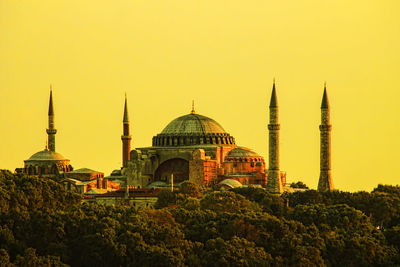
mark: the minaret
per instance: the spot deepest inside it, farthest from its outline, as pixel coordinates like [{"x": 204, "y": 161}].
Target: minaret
[
  {"x": 126, "y": 138},
  {"x": 51, "y": 131},
  {"x": 274, "y": 184},
  {"x": 325, "y": 178}
]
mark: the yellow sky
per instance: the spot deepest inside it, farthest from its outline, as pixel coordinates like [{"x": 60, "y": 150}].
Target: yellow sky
[{"x": 224, "y": 54}]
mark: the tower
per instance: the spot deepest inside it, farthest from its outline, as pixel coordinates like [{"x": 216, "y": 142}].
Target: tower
[
  {"x": 126, "y": 138},
  {"x": 325, "y": 178},
  {"x": 51, "y": 131},
  {"x": 274, "y": 183}
]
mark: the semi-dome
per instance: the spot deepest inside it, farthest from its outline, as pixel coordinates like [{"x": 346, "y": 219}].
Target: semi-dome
[
  {"x": 193, "y": 129},
  {"x": 46, "y": 155},
  {"x": 243, "y": 153}
]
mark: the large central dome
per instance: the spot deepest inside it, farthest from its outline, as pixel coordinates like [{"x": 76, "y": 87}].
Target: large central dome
[
  {"x": 193, "y": 124},
  {"x": 193, "y": 129}
]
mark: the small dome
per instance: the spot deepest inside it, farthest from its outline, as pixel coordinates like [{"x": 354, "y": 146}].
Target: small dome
[
  {"x": 193, "y": 124},
  {"x": 232, "y": 183},
  {"x": 157, "y": 184},
  {"x": 242, "y": 152},
  {"x": 46, "y": 155}
]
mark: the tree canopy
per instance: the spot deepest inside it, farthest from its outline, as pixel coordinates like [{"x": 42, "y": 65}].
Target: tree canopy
[{"x": 41, "y": 224}]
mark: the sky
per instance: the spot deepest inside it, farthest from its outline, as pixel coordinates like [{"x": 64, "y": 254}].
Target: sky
[{"x": 223, "y": 55}]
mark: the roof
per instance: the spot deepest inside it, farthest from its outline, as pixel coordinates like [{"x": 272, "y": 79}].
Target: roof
[
  {"x": 242, "y": 152},
  {"x": 85, "y": 182},
  {"x": 143, "y": 192},
  {"x": 230, "y": 183},
  {"x": 84, "y": 170},
  {"x": 117, "y": 181},
  {"x": 157, "y": 184},
  {"x": 193, "y": 124},
  {"x": 46, "y": 155},
  {"x": 96, "y": 191},
  {"x": 72, "y": 180},
  {"x": 161, "y": 184}
]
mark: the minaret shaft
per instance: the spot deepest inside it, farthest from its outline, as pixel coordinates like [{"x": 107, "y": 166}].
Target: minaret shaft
[
  {"x": 51, "y": 131},
  {"x": 274, "y": 184},
  {"x": 325, "y": 178}
]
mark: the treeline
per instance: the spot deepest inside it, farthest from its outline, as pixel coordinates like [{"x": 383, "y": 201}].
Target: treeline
[{"x": 43, "y": 225}]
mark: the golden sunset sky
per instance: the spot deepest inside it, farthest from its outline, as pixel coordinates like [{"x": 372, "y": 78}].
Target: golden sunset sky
[{"x": 224, "y": 55}]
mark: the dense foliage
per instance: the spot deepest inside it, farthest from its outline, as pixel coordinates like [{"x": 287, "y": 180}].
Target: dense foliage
[{"x": 43, "y": 225}]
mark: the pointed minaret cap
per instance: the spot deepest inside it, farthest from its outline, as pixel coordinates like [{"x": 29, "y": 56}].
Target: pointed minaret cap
[
  {"x": 325, "y": 102},
  {"x": 126, "y": 118},
  {"x": 193, "y": 111},
  {"x": 51, "y": 108},
  {"x": 274, "y": 99}
]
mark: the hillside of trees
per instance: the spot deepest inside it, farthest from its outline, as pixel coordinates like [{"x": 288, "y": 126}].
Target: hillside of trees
[{"x": 43, "y": 225}]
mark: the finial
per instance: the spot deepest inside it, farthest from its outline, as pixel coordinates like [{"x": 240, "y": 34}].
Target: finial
[
  {"x": 193, "y": 112},
  {"x": 274, "y": 80},
  {"x": 51, "y": 87},
  {"x": 325, "y": 85}
]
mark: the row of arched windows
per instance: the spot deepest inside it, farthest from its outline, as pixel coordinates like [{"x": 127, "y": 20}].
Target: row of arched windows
[
  {"x": 40, "y": 170},
  {"x": 239, "y": 159},
  {"x": 161, "y": 140}
]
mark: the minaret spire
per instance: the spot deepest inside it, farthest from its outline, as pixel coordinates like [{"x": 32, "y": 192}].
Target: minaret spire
[
  {"x": 325, "y": 178},
  {"x": 51, "y": 108},
  {"x": 274, "y": 100},
  {"x": 126, "y": 117},
  {"x": 51, "y": 131},
  {"x": 274, "y": 183},
  {"x": 126, "y": 137},
  {"x": 325, "y": 101}
]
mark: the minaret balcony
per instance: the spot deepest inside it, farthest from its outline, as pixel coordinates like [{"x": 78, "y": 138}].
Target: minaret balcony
[
  {"x": 51, "y": 131},
  {"x": 273, "y": 127},
  {"x": 126, "y": 137}
]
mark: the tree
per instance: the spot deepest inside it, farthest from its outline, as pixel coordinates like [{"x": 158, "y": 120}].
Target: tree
[
  {"x": 165, "y": 198},
  {"x": 189, "y": 189},
  {"x": 226, "y": 201},
  {"x": 299, "y": 184}
]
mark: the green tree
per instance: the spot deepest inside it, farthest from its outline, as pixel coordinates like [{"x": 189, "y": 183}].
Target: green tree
[
  {"x": 299, "y": 184},
  {"x": 165, "y": 198},
  {"x": 226, "y": 201}
]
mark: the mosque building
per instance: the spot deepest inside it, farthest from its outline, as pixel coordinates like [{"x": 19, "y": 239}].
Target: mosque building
[
  {"x": 196, "y": 148},
  {"x": 50, "y": 164}
]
